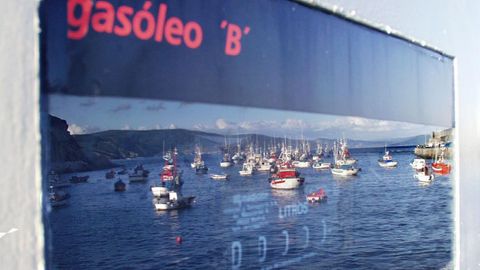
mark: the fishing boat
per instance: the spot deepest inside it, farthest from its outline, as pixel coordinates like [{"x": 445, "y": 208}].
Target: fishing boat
[
  {"x": 119, "y": 186},
  {"x": 301, "y": 164},
  {"x": 123, "y": 171},
  {"x": 110, "y": 174},
  {"x": 226, "y": 161},
  {"x": 58, "y": 198},
  {"x": 170, "y": 176},
  {"x": 219, "y": 176},
  {"x": 55, "y": 181},
  {"x": 345, "y": 171},
  {"x": 387, "y": 161},
  {"x": 418, "y": 164},
  {"x": 424, "y": 177},
  {"x": 201, "y": 169},
  {"x": 247, "y": 169},
  {"x": 440, "y": 166},
  {"x": 170, "y": 200},
  {"x": 317, "y": 196},
  {"x": 197, "y": 159},
  {"x": 263, "y": 166},
  {"x": 79, "y": 179},
  {"x": 322, "y": 165},
  {"x": 342, "y": 154},
  {"x": 286, "y": 177},
  {"x": 139, "y": 174}
]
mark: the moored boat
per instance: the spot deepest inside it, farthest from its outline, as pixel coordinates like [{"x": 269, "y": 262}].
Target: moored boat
[
  {"x": 79, "y": 179},
  {"x": 119, "y": 186},
  {"x": 322, "y": 165},
  {"x": 424, "y": 177},
  {"x": 219, "y": 176},
  {"x": 317, "y": 196},
  {"x": 170, "y": 200},
  {"x": 110, "y": 174},
  {"x": 286, "y": 177},
  {"x": 139, "y": 174},
  {"x": 418, "y": 164},
  {"x": 345, "y": 171},
  {"x": 247, "y": 169},
  {"x": 301, "y": 164},
  {"x": 387, "y": 161},
  {"x": 58, "y": 198},
  {"x": 440, "y": 166}
]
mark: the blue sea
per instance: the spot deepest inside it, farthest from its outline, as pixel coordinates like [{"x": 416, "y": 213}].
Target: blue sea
[{"x": 380, "y": 219}]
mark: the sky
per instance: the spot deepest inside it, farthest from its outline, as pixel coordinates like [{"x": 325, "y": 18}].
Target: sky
[{"x": 93, "y": 114}]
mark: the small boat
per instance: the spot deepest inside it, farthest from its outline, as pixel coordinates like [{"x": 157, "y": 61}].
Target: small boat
[
  {"x": 440, "y": 166},
  {"x": 119, "y": 186},
  {"x": 226, "y": 161},
  {"x": 418, "y": 164},
  {"x": 387, "y": 161},
  {"x": 139, "y": 174},
  {"x": 264, "y": 166},
  {"x": 55, "y": 181},
  {"x": 170, "y": 200},
  {"x": 286, "y": 177},
  {"x": 219, "y": 176},
  {"x": 322, "y": 165},
  {"x": 170, "y": 176},
  {"x": 122, "y": 172},
  {"x": 225, "y": 164},
  {"x": 79, "y": 179},
  {"x": 317, "y": 196},
  {"x": 58, "y": 198},
  {"x": 201, "y": 169},
  {"x": 110, "y": 174},
  {"x": 345, "y": 171},
  {"x": 301, "y": 164},
  {"x": 424, "y": 177},
  {"x": 247, "y": 169}
]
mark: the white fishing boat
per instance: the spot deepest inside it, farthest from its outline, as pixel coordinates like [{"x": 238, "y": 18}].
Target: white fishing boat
[
  {"x": 301, "y": 164},
  {"x": 424, "y": 177},
  {"x": 418, "y": 164},
  {"x": 322, "y": 165},
  {"x": 219, "y": 176},
  {"x": 247, "y": 169},
  {"x": 263, "y": 166},
  {"x": 387, "y": 161},
  {"x": 345, "y": 162},
  {"x": 286, "y": 178},
  {"x": 345, "y": 171},
  {"x": 227, "y": 159},
  {"x": 197, "y": 160},
  {"x": 170, "y": 200}
]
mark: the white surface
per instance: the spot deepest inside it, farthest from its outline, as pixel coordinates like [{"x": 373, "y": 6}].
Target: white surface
[{"x": 19, "y": 139}]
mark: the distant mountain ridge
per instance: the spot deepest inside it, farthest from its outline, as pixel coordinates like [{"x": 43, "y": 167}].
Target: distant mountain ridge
[
  {"x": 96, "y": 150},
  {"x": 121, "y": 144}
]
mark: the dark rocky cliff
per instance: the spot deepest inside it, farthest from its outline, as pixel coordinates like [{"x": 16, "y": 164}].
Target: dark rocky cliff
[{"x": 66, "y": 155}]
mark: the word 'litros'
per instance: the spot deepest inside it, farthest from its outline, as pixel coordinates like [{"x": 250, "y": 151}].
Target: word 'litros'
[{"x": 103, "y": 18}]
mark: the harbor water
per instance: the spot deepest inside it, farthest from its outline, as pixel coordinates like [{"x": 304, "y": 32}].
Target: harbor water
[{"x": 380, "y": 219}]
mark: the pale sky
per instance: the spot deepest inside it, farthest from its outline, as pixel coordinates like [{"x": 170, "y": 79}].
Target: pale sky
[{"x": 93, "y": 114}]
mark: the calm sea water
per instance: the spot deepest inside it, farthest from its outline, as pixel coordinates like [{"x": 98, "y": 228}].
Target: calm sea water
[{"x": 381, "y": 219}]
